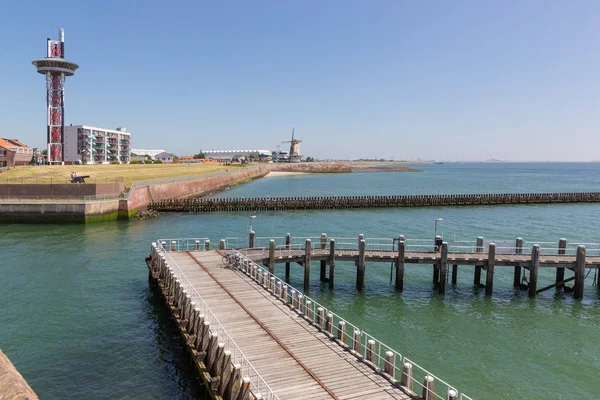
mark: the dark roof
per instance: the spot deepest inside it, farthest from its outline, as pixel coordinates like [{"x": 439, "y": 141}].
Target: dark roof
[{"x": 164, "y": 154}]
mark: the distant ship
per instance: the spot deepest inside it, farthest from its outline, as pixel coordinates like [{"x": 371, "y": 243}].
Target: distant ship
[{"x": 494, "y": 160}]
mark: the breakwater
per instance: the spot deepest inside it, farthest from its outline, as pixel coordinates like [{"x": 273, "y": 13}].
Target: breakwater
[{"x": 203, "y": 205}]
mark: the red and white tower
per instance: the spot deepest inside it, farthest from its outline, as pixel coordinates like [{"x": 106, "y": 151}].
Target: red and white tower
[{"x": 56, "y": 68}]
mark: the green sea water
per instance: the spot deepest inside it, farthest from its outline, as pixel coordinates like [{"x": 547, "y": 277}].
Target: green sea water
[{"x": 78, "y": 319}]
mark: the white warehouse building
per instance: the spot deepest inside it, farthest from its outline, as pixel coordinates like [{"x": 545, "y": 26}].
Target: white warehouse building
[
  {"x": 91, "y": 145},
  {"x": 229, "y": 154}
]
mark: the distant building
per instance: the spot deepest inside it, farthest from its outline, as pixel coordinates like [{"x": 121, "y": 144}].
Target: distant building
[
  {"x": 13, "y": 152},
  {"x": 165, "y": 157},
  {"x": 91, "y": 145},
  {"x": 228, "y": 155},
  {"x": 147, "y": 152}
]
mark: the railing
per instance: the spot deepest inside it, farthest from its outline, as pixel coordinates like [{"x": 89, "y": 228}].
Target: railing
[
  {"x": 257, "y": 383},
  {"x": 379, "y": 356},
  {"x": 26, "y": 199}
]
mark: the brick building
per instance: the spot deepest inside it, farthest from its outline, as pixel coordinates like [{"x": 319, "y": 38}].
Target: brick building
[{"x": 13, "y": 153}]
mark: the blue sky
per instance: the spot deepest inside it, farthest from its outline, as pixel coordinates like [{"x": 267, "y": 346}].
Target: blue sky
[{"x": 459, "y": 80}]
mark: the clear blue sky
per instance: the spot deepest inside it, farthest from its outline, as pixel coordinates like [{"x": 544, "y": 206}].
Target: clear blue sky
[{"x": 450, "y": 80}]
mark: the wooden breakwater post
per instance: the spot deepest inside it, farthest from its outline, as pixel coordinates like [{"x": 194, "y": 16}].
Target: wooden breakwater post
[
  {"x": 360, "y": 269},
  {"x": 579, "y": 272},
  {"x": 437, "y": 244},
  {"x": 307, "y": 258},
  {"x": 477, "y": 274},
  {"x": 331, "y": 262},
  {"x": 400, "y": 264},
  {"x": 489, "y": 276},
  {"x": 534, "y": 266},
  {"x": 560, "y": 272},
  {"x": 272, "y": 256},
  {"x": 251, "y": 236},
  {"x": 443, "y": 265},
  {"x": 517, "y": 274},
  {"x": 323, "y": 274}
]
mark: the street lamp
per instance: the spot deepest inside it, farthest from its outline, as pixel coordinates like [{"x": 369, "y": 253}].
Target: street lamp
[
  {"x": 250, "y": 218},
  {"x": 435, "y": 230}
]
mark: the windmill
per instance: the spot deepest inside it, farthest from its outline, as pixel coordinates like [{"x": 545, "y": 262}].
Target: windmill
[{"x": 295, "y": 156}]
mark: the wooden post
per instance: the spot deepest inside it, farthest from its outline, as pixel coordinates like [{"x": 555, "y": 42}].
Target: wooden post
[
  {"x": 232, "y": 390},
  {"x": 197, "y": 245},
  {"x": 329, "y": 324},
  {"x": 400, "y": 265},
  {"x": 206, "y": 245},
  {"x": 360, "y": 271},
  {"x": 428, "y": 388},
  {"x": 489, "y": 276},
  {"x": 371, "y": 351},
  {"x": 222, "y": 244},
  {"x": 517, "y": 275},
  {"x": 288, "y": 241},
  {"x": 406, "y": 379},
  {"x": 454, "y": 273},
  {"x": 307, "y": 257},
  {"x": 320, "y": 317},
  {"x": 331, "y": 262},
  {"x": 284, "y": 294},
  {"x": 323, "y": 275},
  {"x": 272, "y": 256},
  {"x": 579, "y": 272},
  {"x": 341, "y": 334},
  {"x": 478, "y": 249},
  {"x": 251, "y": 239},
  {"x": 356, "y": 342},
  {"x": 389, "y": 365},
  {"x": 533, "y": 269},
  {"x": 443, "y": 265},
  {"x": 452, "y": 394},
  {"x": 560, "y": 272},
  {"x": 245, "y": 388}
]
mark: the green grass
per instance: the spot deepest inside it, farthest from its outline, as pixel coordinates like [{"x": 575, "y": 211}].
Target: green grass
[{"x": 107, "y": 173}]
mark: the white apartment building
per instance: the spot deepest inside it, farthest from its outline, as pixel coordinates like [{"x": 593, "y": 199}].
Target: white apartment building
[{"x": 91, "y": 145}]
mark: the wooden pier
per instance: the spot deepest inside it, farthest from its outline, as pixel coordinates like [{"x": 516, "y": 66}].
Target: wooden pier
[
  {"x": 205, "y": 205},
  {"x": 439, "y": 257},
  {"x": 254, "y": 337}
]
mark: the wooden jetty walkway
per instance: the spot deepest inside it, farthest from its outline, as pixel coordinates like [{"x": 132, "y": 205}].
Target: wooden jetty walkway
[
  {"x": 205, "y": 205},
  {"x": 254, "y": 337},
  {"x": 399, "y": 253}
]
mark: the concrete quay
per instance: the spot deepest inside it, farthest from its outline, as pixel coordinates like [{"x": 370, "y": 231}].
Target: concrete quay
[{"x": 12, "y": 384}]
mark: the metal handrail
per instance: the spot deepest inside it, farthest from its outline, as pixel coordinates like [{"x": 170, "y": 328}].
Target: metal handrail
[
  {"x": 237, "y": 355},
  {"x": 362, "y": 344}
]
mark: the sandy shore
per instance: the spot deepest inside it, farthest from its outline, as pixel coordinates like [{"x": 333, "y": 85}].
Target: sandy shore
[{"x": 285, "y": 173}]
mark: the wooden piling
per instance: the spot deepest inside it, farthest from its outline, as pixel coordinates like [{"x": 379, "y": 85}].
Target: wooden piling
[
  {"x": 560, "y": 272},
  {"x": 534, "y": 265},
  {"x": 251, "y": 237},
  {"x": 272, "y": 256},
  {"x": 400, "y": 266},
  {"x": 517, "y": 274},
  {"x": 222, "y": 244},
  {"x": 206, "y": 245},
  {"x": 579, "y": 272},
  {"x": 489, "y": 276},
  {"x": 428, "y": 388},
  {"x": 406, "y": 379},
  {"x": 443, "y": 265},
  {"x": 323, "y": 275},
  {"x": 288, "y": 241},
  {"x": 478, "y": 249},
  {"x": 389, "y": 364},
  {"x": 360, "y": 270},
  {"x": 197, "y": 245},
  {"x": 331, "y": 262},
  {"x": 371, "y": 351},
  {"x": 454, "y": 273},
  {"x": 307, "y": 258}
]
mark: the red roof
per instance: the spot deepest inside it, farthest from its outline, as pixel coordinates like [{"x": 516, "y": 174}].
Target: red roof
[{"x": 11, "y": 143}]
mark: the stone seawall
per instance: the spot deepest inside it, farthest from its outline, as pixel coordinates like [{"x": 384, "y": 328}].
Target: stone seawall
[
  {"x": 12, "y": 383},
  {"x": 49, "y": 190},
  {"x": 141, "y": 196}
]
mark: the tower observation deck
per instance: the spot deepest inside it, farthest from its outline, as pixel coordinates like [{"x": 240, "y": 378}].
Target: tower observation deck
[{"x": 56, "y": 69}]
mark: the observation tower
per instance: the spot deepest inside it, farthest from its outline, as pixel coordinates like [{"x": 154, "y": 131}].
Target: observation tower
[{"x": 56, "y": 69}]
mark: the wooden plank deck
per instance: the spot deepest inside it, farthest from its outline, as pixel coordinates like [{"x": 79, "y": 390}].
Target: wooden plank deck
[{"x": 338, "y": 370}]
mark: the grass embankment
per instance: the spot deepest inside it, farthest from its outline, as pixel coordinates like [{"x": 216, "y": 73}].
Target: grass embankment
[{"x": 128, "y": 173}]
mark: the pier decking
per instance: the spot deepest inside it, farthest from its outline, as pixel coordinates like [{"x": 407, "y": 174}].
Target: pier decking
[{"x": 255, "y": 337}]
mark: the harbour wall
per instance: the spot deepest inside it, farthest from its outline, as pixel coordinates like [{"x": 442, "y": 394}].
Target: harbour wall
[
  {"x": 12, "y": 383},
  {"x": 49, "y": 190}
]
